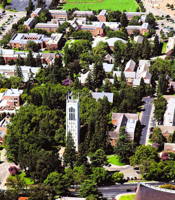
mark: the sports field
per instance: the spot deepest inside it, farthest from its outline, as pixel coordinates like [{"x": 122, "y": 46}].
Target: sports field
[{"x": 122, "y": 5}]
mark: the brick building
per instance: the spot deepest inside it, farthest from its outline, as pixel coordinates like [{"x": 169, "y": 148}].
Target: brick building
[
  {"x": 102, "y": 16},
  {"x": 96, "y": 28},
  {"x": 59, "y": 14}
]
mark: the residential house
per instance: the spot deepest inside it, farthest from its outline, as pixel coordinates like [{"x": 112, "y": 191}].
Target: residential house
[
  {"x": 101, "y": 95},
  {"x": 102, "y": 16},
  {"x": 170, "y": 45},
  {"x": 130, "y": 66},
  {"x": 168, "y": 125},
  {"x": 10, "y": 70},
  {"x": 127, "y": 120},
  {"x": 10, "y": 100},
  {"x": 143, "y": 72}
]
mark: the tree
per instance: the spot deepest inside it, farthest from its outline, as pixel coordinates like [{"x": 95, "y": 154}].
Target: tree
[
  {"x": 57, "y": 182},
  {"x": 18, "y": 72},
  {"x": 156, "y": 49},
  {"x": 118, "y": 177},
  {"x": 124, "y": 147},
  {"x": 30, "y": 61},
  {"x": 32, "y": 46},
  {"x": 89, "y": 187},
  {"x": 163, "y": 84},
  {"x": 123, "y": 20},
  {"x": 70, "y": 152},
  {"x": 100, "y": 176},
  {"x": 85, "y": 35},
  {"x": 98, "y": 159},
  {"x": 157, "y": 137},
  {"x": 146, "y": 51},
  {"x": 143, "y": 153},
  {"x": 160, "y": 107},
  {"x": 2, "y": 61},
  {"x": 30, "y": 7}
]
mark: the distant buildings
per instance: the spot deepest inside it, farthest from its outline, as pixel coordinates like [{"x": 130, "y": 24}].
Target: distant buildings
[
  {"x": 127, "y": 120},
  {"x": 73, "y": 119},
  {"x": 101, "y": 95}
]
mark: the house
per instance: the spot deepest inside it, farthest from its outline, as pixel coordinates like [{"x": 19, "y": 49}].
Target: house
[
  {"x": 168, "y": 125},
  {"x": 130, "y": 66},
  {"x": 102, "y": 16},
  {"x": 170, "y": 45},
  {"x": 79, "y": 13},
  {"x": 143, "y": 72},
  {"x": 49, "y": 26},
  {"x": 83, "y": 77},
  {"x": 10, "y": 100},
  {"x": 169, "y": 147},
  {"x": 59, "y": 14},
  {"x": 10, "y": 70},
  {"x": 106, "y": 67},
  {"x": 142, "y": 29},
  {"x": 3, "y": 127},
  {"x": 96, "y": 28},
  {"x": 9, "y": 55},
  {"x": 29, "y": 23},
  {"x": 109, "y": 58},
  {"x": 130, "y": 76},
  {"x": 36, "y": 12},
  {"x": 138, "y": 39},
  {"x": 101, "y": 95},
  {"x": 127, "y": 120},
  {"x": 20, "y": 40}
]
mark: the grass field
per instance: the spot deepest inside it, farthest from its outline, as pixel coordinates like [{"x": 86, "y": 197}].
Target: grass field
[
  {"x": 128, "y": 197},
  {"x": 122, "y": 5},
  {"x": 113, "y": 159}
]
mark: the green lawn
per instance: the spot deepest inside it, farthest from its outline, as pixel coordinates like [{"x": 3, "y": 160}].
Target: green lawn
[
  {"x": 113, "y": 159},
  {"x": 128, "y": 197},
  {"x": 128, "y": 5},
  {"x": 164, "y": 47}
]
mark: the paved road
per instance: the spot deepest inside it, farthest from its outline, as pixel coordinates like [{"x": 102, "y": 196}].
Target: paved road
[
  {"x": 146, "y": 118},
  {"x": 111, "y": 191},
  {"x": 20, "y": 5}
]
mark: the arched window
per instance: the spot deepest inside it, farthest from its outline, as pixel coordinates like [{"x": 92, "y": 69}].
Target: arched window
[{"x": 71, "y": 113}]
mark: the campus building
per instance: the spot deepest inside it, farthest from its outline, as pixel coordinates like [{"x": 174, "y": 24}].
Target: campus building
[{"x": 73, "y": 118}]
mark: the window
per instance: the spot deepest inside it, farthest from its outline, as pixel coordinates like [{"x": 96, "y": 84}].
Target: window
[{"x": 71, "y": 113}]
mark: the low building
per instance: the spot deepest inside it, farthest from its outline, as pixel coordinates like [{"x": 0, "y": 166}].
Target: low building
[
  {"x": 169, "y": 147},
  {"x": 101, "y": 95},
  {"x": 102, "y": 16},
  {"x": 10, "y": 70},
  {"x": 10, "y": 100},
  {"x": 49, "y": 27},
  {"x": 79, "y": 13},
  {"x": 130, "y": 66},
  {"x": 130, "y": 76},
  {"x": 36, "y": 12},
  {"x": 130, "y": 15},
  {"x": 115, "y": 26},
  {"x": 96, "y": 28},
  {"x": 138, "y": 39},
  {"x": 150, "y": 192},
  {"x": 170, "y": 45},
  {"x": 59, "y": 14},
  {"x": 29, "y": 23},
  {"x": 142, "y": 29},
  {"x": 127, "y": 120},
  {"x": 20, "y": 40}
]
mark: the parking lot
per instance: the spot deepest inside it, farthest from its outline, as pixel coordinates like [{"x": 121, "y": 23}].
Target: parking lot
[{"x": 8, "y": 19}]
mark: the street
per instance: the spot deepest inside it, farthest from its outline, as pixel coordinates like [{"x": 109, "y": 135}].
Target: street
[
  {"x": 146, "y": 118},
  {"x": 113, "y": 190}
]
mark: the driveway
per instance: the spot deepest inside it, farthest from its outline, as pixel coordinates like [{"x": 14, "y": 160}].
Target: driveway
[{"x": 146, "y": 119}]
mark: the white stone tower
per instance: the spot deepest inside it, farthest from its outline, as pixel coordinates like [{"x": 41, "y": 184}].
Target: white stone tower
[{"x": 73, "y": 118}]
